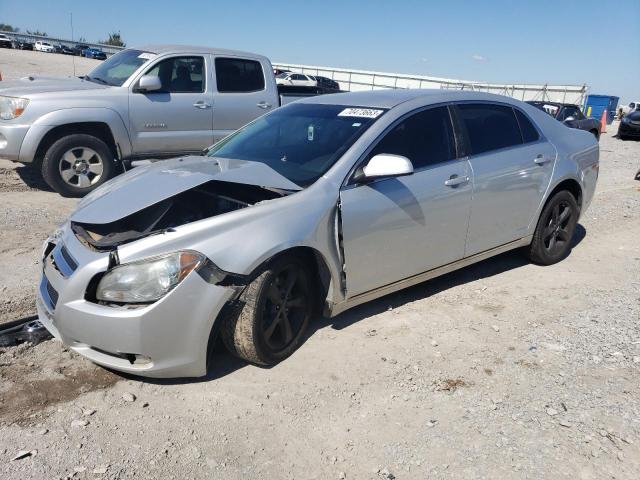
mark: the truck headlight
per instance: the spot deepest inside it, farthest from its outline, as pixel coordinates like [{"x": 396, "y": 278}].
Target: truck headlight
[
  {"x": 12, "y": 107},
  {"x": 147, "y": 280}
]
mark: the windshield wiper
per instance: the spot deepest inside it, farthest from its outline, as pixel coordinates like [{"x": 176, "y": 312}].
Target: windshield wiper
[{"x": 96, "y": 79}]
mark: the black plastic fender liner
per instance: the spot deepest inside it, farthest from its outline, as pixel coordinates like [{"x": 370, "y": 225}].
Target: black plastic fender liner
[{"x": 27, "y": 329}]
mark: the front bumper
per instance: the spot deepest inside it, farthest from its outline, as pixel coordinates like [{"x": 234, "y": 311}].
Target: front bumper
[
  {"x": 168, "y": 338},
  {"x": 11, "y": 137},
  {"x": 629, "y": 130}
]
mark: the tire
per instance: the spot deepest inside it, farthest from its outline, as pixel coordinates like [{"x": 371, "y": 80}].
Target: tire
[
  {"x": 77, "y": 164},
  {"x": 596, "y": 134},
  {"x": 255, "y": 327},
  {"x": 554, "y": 232}
]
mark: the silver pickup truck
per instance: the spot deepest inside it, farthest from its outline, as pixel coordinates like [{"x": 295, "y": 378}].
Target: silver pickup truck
[{"x": 153, "y": 102}]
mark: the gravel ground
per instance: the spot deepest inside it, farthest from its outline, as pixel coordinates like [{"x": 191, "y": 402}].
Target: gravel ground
[{"x": 502, "y": 370}]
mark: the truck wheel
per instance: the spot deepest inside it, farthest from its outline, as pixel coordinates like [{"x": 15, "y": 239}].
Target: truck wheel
[
  {"x": 268, "y": 321},
  {"x": 77, "y": 164},
  {"x": 554, "y": 232}
]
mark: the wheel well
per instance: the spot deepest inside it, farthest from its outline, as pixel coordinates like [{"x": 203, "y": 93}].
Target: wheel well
[
  {"x": 573, "y": 187},
  {"x": 595, "y": 132},
  {"x": 319, "y": 270},
  {"x": 97, "y": 129}
]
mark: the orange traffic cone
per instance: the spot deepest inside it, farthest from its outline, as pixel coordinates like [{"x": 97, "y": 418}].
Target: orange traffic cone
[{"x": 603, "y": 123}]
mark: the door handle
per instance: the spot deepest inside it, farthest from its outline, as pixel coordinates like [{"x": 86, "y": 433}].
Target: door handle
[
  {"x": 455, "y": 180},
  {"x": 263, "y": 105},
  {"x": 541, "y": 160},
  {"x": 202, "y": 105}
]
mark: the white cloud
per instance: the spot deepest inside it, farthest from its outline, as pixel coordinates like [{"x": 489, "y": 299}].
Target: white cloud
[{"x": 479, "y": 58}]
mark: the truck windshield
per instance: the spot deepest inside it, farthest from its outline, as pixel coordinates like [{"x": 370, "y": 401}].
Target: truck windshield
[
  {"x": 118, "y": 68},
  {"x": 301, "y": 141}
]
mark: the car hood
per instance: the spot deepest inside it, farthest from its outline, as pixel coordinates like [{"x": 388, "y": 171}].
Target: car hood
[
  {"x": 150, "y": 184},
  {"x": 32, "y": 85}
]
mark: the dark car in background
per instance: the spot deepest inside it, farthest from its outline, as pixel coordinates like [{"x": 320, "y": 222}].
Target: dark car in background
[
  {"x": 79, "y": 49},
  {"x": 327, "y": 84},
  {"x": 570, "y": 115},
  {"x": 22, "y": 45},
  {"x": 629, "y": 126},
  {"x": 95, "y": 53},
  {"x": 63, "y": 49},
  {"x": 5, "y": 41}
]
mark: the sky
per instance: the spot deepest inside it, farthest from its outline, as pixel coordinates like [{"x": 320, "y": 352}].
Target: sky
[{"x": 545, "y": 41}]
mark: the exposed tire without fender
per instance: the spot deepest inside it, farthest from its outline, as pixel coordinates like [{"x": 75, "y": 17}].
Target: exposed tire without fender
[
  {"x": 76, "y": 164},
  {"x": 554, "y": 232},
  {"x": 269, "y": 320}
]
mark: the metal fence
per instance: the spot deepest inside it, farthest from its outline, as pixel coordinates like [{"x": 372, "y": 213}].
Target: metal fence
[
  {"x": 355, "y": 80},
  {"x": 27, "y": 37}
]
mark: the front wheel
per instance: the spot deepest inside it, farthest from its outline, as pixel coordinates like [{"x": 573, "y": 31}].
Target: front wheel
[
  {"x": 77, "y": 164},
  {"x": 554, "y": 232},
  {"x": 268, "y": 321}
]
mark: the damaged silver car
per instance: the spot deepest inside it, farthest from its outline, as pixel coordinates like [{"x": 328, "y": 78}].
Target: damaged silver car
[{"x": 312, "y": 209}]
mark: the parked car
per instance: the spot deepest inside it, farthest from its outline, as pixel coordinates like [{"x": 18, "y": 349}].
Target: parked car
[
  {"x": 278, "y": 71},
  {"x": 44, "y": 47},
  {"x": 6, "y": 41},
  {"x": 570, "y": 115},
  {"x": 139, "y": 104},
  {"x": 327, "y": 84},
  {"x": 22, "y": 45},
  {"x": 296, "y": 80},
  {"x": 326, "y": 203},
  {"x": 63, "y": 49},
  {"x": 94, "y": 53},
  {"x": 629, "y": 126},
  {"x": 79, "y": 49}
]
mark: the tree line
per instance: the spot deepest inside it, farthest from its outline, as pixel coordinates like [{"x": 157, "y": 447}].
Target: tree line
[{"x": 115, "y": 39}]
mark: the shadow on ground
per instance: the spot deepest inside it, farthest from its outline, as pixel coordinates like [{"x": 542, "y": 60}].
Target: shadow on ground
[{"x": 32, "y": 178}]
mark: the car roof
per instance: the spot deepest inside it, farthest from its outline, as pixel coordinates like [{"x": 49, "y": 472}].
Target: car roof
[
  {"x": 389, "y": 98},
  {"x": 555, "y": 104},
  {"x": 168, "y": 49}
]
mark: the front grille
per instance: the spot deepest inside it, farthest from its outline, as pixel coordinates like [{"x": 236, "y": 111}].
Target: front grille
[
  {"x": 63, "y": 261},
  {"x": 48, "y": 293},
  {"x": 69, "y": 259}
]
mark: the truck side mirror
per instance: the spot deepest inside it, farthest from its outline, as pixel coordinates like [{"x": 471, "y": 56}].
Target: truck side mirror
[{"x": 149, "y": 83}]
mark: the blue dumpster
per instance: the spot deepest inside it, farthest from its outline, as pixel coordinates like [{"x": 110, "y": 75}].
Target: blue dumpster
[{"x": 597, "y": 104}]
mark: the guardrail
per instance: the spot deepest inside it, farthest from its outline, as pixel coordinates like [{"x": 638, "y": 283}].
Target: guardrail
[
  {"x": 354, "y": 80},
  {"x": 108, "y": 49}
]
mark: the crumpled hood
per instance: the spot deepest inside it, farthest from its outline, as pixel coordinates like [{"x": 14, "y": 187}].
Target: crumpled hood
[
  {"x": 25, "y": 86},
  {"x": 150, "y": 184}
]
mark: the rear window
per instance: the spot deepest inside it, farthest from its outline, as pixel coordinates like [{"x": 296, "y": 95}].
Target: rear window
[
  {"x": 490, "y": 127},
  {"x": 529, "y": 132},
  {"x": 239, "y": 75}
]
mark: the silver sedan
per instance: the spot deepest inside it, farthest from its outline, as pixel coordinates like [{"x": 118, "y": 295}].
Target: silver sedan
[{"x": 312, "y": 209}]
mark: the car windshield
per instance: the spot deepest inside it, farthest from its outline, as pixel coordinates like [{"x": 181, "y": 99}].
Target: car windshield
[
  {"x": 282, "y": 75},
  {"x": 301, "y": 141},
  {"x": 118, "y": 68}
]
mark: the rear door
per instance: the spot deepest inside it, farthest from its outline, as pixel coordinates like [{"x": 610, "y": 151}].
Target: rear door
[
  {"x": 179, "y": 117},
  {"x": 512, "y": 164},
  {"x": 395, "y": 228},
  {"x": 242, "y": 93}
]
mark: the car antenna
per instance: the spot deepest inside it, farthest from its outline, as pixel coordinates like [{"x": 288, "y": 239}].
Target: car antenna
[{"x": 73, "y": 57}]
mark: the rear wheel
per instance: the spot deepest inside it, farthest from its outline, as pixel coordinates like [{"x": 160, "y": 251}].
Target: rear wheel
[
  {"x": 596, "y": 134},
  {"x": 554, "y": 232},
  {"x": 77, "y": 164},
  {"x": 272, "y": 314}
]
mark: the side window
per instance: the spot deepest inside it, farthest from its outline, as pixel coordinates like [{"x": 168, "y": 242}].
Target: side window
[
  {"x": 529, "y": 132},
  {"x": 489, "y": 127},
  {"x": 425, "y": 138},
  {"x": 180, "y": 74},
  {"x": 235, "y": 75}
]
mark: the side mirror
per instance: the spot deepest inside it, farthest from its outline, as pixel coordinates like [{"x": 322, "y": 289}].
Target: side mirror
[
  {"x": 569, "y": 119},
  {"x": 149, "y": 83},
  {"x": 384, "y": 165}
]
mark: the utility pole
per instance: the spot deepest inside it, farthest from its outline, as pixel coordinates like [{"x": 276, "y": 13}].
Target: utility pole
[{"x": 73, "y": 57}]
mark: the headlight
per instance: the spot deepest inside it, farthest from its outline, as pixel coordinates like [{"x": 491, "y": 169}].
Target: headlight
[
  {"x": 12, "y": 107},
  {"x": 147, "y": 280}
]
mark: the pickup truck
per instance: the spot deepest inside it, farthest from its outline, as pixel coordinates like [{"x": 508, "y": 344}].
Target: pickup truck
[{"x": 148, "y": 103}]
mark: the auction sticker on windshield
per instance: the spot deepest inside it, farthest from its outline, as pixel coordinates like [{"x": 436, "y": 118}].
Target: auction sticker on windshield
[{"x": 360, "y": 112}]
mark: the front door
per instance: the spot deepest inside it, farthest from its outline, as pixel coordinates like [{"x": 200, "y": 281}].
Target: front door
[
  {"x": 512, "y": 166},
  {"x": 179, "y": 117},
  {"x": 398, "y": 227}
]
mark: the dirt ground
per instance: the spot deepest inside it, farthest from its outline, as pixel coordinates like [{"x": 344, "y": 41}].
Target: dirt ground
[{"x": 502, "y": 370}]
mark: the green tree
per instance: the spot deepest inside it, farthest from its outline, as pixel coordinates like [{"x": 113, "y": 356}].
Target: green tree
[
  {"x": 114, "y": 39},
  {"x": 8, "y": 28},
  {"x": 37, "y": 32}
]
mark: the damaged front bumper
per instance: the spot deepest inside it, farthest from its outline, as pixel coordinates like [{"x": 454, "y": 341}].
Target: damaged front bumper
[{"x": 168, "y": 338}]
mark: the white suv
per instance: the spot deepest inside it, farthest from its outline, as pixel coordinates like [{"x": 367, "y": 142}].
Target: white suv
[
  {"x": 44, "y": 47},
  {"x": 296, "y": 80}
]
